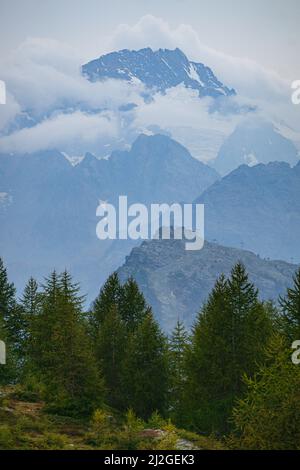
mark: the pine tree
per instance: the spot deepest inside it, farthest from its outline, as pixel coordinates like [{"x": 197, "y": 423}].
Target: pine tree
[
  {"x": 7, "y": 294},
  {"x": 209, "y": 363},
  {"x": 267, "y": 416},
  {"x": 132, "y": 305},
  {"x": 9, "y": 311},
  {"x": 145, "y": 372},
  {"x": 108, "y": 297},
  {"x": 8, "y": 326},
  {"x": 61, "y": 350},
  {"x": 228, "y": 341},
  {"x": 110, "y": 347},
  {"x": 290, "y": 308},
  {"x": 31, "y": 298},
  {"x": 30, "y": 305},
  {"x": 250, "y": 326},
  {"x": 178, "y": 344},
  {"x": 5, "y": 372}
]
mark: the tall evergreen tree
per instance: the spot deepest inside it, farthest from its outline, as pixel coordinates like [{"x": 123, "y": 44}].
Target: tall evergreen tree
[
  {"x": 290, "y": 308},
  {"x": 145, "y": 372},
  {"x": 108, "y": 297},
  {"x": 31, "y": 299},
  {"x": 7, "y": 294},
  {"x": 62, "y": 352},
  {"x": 132, "y": 305},
  {"x": 110, "y": 351},
  {"x": 251, "y": 326},
  {"x": 178, "y": 344},
  {"x": 5, "y": 372},
  {"x": 267, "y": 416},
  {"x": 8, "y": 325},
  {"x": 228, "y": 341},
  {"x": 20, "y": 318}
]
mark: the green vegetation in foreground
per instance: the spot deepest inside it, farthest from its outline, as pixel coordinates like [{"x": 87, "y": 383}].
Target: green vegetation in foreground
[
  {"x": 25, "y": 425},
  {"x": 110, "y": 378}
]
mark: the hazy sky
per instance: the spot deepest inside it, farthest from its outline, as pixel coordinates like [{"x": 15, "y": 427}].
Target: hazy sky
[{"x": 266, "y": 31}]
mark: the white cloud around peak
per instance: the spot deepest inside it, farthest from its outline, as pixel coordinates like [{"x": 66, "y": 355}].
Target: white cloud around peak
[
  {"x": 43, "y": 77},
  {"x": 247, "y": 76}
]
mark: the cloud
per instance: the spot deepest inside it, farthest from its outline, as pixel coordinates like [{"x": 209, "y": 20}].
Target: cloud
[
  {"x": 46, "y": 89},
  {"x": 249, "y": 78},
  {"x": 182, "y": 107},
  {"x": 9, "y": 111},
  {"x": 75, "y": 133},
  {"x": 44, "y": 75},
  {"x": 44, "y": 83}
]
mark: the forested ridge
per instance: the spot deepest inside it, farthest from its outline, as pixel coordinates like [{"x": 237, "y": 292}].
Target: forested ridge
[{"x": 228, "y": 383}]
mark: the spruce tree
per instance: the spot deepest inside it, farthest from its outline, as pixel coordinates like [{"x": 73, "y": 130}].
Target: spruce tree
[
  {"x": 267, "y": 416},
  {"x": 110, "y": 347},
  {"x": 178, "y": 344},
  {"x": 9, "y": 311},
  {"x": 290, "y": 308},
  {"x": 5, "y": 370},
  {"x": 132, "y": 305},
  {"x": 7, "y": 294},
  {"x": 145, "y": 372},
  {"x": 250, "y": 326},
  {"x": 228, "y": 341},
  {"x": 209, "y": 364},
  {"x": 8, "y": 326},
  {"x": 108, "y": 297},
  {"x": 30, "y": 305},
  {"x": 31, "y": 298},
  {"x": 62, "y": 352}
]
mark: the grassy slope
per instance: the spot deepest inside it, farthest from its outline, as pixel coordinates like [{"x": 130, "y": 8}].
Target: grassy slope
[{"x": 25, "y": 425}]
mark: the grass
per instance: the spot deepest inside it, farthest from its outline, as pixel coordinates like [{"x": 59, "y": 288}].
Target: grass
[{"x": 25, "y": 425}]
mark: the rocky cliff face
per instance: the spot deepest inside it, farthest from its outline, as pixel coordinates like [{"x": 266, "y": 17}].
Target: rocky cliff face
[{"x": 176, "y": 282}]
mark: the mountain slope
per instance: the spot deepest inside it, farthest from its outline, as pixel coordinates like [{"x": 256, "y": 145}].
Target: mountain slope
[
  {"x": 253, "y": 142},
  {"x": 257, "y": 208},
  {"x": 176, "y": 282},
  {"x": 155, "y": 169},
  {"x": 48, "y": 207},
  {"x": 160, "y": 70}
]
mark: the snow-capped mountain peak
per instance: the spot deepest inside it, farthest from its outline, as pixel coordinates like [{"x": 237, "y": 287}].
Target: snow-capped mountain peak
[{"x": 159, "y": 70}]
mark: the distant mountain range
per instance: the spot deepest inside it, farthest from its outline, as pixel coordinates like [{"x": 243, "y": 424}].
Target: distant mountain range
[
  {"x": 48, "y": 207},
  {"x": 257, "y": 208},
  {"x": 176, "y": 282},
  {"x": 157, "y": 70},
  {"x": 254, "y": 141},
  {"x": 155, "y": 169}
]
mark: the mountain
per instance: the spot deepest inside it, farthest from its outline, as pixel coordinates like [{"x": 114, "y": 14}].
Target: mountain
[
  {"x": 257, "y": 208},
  {"x": 254, "y": 141},
  {"x": 155, "y": 169},
  {"x": 176, "y": 282},
  {"x": 48, "y": 207},
  {"x": 159, "y": 70}
]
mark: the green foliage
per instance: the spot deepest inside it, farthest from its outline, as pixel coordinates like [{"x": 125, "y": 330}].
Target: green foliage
[
  {"x": 7, "y": 440},
  {"x": 61, "y": 351},
  {"x": 219, "y": 380},
  {"x": 117, "y": 314},
  {"x": 108, "y": 298},
  {"x": 228, "y": 341},
  {"x": 145, "y": 374},
  {"x": 156, "y": 421},
  {"x": 268, "y": 416},
  {"x": 169, "y": 439},
  {"x": 132, "y": 305},
  {"x": 178, "y": 344},
  {"x": 7, "y": 294},
  {"x": 8, "y": 327},
  {"x": 110, "y": 350},
  {"x": 290, "y": 308}
]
